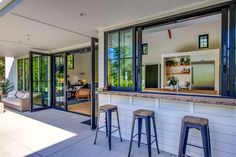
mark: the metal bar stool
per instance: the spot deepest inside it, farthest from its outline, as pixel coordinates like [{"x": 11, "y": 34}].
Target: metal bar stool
[
  {"x": 108, "y": 109},
  {"x": 147, "y": 115},
  {"x": 201, "y": 124}
]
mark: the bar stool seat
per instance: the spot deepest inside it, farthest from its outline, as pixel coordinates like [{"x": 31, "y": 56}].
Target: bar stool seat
[
  {"x": 195, "y": 120},
  {"x": 143, "y": 113},
  {"x": 108, "y": 109},
  {"x": 201, "y": 124}
]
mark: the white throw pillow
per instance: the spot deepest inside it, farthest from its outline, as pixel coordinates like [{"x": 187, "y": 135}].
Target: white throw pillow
[
  {"x": 11, "y": 94},
  {"x": 20, "y": 94}
]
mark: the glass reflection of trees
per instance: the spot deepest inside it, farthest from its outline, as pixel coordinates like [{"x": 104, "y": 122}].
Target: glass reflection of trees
[{"x": 120, "y": 58}]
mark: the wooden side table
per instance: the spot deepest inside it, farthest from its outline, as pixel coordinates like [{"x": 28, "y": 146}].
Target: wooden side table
[{"x": 1, "y": 107}]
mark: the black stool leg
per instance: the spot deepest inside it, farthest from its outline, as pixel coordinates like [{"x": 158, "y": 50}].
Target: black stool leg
[
  {"x": 209, "y": 140},
  {"x": 183, "y": 140},
  {"x": 109, "y": 127},
  {"x": 148, "y": 132},
  {"x": 131, "y": 138},
  {"x": 205, "y": 142},
  {"x": 95, "y": 141},
  {"x": 140, "y": 122},
  {"x": 118, "y": 122},
  {"x": 106, "y": 121},
  {"x": 155, "y": 133}
]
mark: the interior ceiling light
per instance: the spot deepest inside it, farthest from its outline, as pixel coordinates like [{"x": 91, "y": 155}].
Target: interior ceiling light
[
  {"x": 28, "y": 36},
  {"x": 8, "y": 5}
]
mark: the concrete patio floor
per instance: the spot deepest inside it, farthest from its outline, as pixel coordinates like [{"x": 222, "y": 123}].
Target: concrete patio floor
[{"x": 53, "y": 133}]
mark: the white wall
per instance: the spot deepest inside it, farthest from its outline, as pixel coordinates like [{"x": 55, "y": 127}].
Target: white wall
[
  {"x": 101, "y": 52},
  {"x": 12, "y": 75},
  {"x": 183, "y": 39},
  {"x": 82, "y": 64},
  {"x": 169, "y": 114}
]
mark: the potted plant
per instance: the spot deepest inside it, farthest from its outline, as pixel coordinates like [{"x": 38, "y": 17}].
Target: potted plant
[
  {"x": 6, "y": 87},
  {"x": 172, "y": 81}
]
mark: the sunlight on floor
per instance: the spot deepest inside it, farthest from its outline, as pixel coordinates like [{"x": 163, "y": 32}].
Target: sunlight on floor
[{"x": 17, "y": 130}]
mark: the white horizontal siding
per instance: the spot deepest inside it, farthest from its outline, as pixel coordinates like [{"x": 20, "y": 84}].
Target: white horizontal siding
[{"x": 169, "y": 115}]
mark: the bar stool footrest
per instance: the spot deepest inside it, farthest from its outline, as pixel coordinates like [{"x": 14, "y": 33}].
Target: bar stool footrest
[
  {"x": 142, "y": 142},
  {"x": 111, "y": 126},
  {"x": 194, "y": 145}
]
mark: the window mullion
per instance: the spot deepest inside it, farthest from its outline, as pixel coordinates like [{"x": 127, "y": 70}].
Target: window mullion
[{"x": 119, "y": 58}]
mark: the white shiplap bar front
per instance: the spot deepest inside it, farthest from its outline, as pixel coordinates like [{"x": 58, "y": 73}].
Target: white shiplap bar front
[{"x": 169, "y": 114}]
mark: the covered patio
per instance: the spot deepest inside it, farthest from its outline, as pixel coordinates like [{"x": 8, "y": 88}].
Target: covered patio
[{"x": 57, "y": 133}]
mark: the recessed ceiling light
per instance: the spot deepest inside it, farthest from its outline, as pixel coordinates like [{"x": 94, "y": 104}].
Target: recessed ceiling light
[
  {"x": 1, "y": 1},
  {"x": 82, "y": 14}
]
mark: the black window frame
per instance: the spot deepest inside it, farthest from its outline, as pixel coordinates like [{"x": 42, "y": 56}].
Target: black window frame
[
  {"x": 114, "y": 88},
  {"x": 226, "y": 91},
  {"x": 199, "y": 41}
]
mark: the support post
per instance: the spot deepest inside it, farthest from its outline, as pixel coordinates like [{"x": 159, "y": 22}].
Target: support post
[{"x": 93, "y": 88}]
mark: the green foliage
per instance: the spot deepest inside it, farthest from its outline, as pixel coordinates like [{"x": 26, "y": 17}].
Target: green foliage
[
  {"x": 26, "y": 74},
  {"x": 120, "y": 56},
  {"x": 172, "y": 81},
  {"x": 2, "y": 68},
  {"x": 20, "y": 74},
  {"x": 70, "y": 61},
  {"x": 35, "y": 73},
  {"x": 40, "y": 73},
  {"x": 6, "y": 87}
]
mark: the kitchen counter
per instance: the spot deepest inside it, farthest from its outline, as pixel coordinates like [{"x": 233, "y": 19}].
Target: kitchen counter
[{"x": 185, "y": 98}]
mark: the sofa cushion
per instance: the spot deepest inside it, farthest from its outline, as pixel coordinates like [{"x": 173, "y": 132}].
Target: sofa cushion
[
  {"x": 20, "y": 94},
  {"x": 14, "y": 101},
  {"x": 26, "y": 96},
  {"x": 11, "y": 94}
]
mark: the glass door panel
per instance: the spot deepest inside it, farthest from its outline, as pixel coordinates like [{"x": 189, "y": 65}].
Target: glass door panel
[
  {"x": 60, "y": 81},
  {"x": 41, "y": 90},
  {"x": 26, "y": 74}
]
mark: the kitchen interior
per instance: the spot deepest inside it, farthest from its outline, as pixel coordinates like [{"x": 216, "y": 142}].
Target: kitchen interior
[{"x": 183, "y": 57}]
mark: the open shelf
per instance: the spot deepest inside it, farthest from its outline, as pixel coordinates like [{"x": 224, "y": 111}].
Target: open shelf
[
  {"x": 177, "y": 66},
  {"x": 178, "y": 73}
]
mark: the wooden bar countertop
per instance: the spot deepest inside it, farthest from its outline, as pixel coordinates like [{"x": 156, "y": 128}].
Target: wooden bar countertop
[{"x": 206, "y": 99}]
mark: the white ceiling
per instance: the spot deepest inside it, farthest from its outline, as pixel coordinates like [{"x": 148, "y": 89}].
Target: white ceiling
[
  {"x": 187, "y": 23},
  {"x": 55, "y": 24}
]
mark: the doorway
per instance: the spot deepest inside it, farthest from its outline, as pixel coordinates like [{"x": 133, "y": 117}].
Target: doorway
[
  {"x": 79, "y": 81},
  {"x": 51, "y": 85},
  {"x": 40, "y": 81}
]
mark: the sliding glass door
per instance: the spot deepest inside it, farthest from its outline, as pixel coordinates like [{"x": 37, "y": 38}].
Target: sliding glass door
[
  {"x": 40, "y": 81},
  {"x": 60, "y": 81}
]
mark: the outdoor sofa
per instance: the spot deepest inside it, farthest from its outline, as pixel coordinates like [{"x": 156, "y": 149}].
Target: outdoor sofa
[{"x": 17, "y": 100}]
